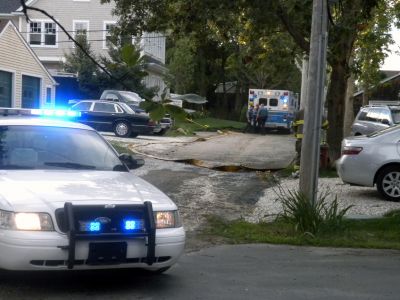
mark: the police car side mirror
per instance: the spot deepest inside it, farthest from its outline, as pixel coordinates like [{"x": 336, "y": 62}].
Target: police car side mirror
[{"x": 130, "y": 161}]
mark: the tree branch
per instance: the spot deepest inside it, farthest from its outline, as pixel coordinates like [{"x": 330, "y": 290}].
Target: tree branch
[{"x": 296, "y": 35}]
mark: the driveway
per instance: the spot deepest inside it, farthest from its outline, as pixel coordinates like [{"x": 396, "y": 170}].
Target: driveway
[
  {"x": 229, "y": 272},
  {"x": 253, "y": 151}
]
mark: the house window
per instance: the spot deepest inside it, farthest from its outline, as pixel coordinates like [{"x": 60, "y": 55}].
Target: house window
[
  {"x": 30, "y": 92},
  {"x": 81, "y": 29},
  {"x": 6, "y": 80},
  {"x": 108, "y": 26},
  {"x": 42, "y": 33}
]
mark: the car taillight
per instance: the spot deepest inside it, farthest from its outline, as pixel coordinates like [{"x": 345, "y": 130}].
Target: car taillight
[{"x": 349, "y": 150}]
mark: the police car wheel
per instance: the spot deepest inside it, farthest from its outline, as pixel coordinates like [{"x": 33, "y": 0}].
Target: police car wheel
[{"x": 121, "y": 129}]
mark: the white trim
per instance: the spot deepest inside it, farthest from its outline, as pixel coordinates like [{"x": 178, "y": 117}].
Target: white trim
[
  {"x": 74, "y": 22},
  {"x": 13, "y": 85},
  {"x": 10, "y": 23},
  {"x": 80, "y": 0},
  {"x": 105, "y": 23},
  {"x": 52, "y": 100},
  {"x": 19, "y": 24},
  {"x": 51, "y": 58},
  {"x": 42, "y": 34},
  {"x": 28, "y": 3},
  {"x": 40, "y": 88}
]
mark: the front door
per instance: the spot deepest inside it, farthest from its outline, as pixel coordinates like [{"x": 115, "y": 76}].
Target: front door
[
  {"x": 5, "y": 89},
  {"x": 30, "y": 92}
]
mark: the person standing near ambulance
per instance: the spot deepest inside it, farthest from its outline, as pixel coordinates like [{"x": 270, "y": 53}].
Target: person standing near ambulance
[
  {"x": 249, "y": 116},
  {"x": 255, "y": 120},
  {"x": 262, "y": 116}
]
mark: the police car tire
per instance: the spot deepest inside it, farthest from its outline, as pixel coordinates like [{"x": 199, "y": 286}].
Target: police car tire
[{"x": 122, "y": 123}]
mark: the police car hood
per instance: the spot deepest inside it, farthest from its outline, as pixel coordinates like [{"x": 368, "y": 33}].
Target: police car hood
[{"x": 47, "y": 190}]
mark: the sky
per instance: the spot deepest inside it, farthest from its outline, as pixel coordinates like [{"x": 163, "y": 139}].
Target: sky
[{"x": 393, "y": 61}]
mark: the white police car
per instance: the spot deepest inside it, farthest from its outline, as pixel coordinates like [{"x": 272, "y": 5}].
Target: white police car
[{"x": 68, "y": 201}]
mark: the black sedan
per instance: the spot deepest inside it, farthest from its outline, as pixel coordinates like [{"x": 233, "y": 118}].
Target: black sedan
[{"x": 113, "y": 117}]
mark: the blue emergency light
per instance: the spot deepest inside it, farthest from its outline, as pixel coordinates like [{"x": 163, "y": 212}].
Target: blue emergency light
[
  {"x": 94, "y": 226},
  {"x": 131, "y": 225},
  {"x": 61, "y": 113}
]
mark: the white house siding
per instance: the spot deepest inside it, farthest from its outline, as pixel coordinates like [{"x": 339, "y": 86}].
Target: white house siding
[
  {"x": 97, "y": 14},
  {"x": 66, "y": 11},
  {"x": 16, "y": 58},
  {"x": 153, "y": 44}
]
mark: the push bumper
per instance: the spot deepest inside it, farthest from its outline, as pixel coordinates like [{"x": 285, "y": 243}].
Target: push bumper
[
  {"x": 47, "y": 251},
  {"x": 146, "y": 248}
]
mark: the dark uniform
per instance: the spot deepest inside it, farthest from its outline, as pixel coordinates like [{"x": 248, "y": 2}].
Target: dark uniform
[{"x": 298, "y": 125}]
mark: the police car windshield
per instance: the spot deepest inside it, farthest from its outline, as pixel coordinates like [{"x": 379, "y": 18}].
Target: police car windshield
[{"x": 43, "y": 147}]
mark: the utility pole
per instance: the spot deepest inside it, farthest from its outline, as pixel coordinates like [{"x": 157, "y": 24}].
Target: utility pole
[
  {"x": 310, "y": 150},
  {"x": 304, "y": 82}
]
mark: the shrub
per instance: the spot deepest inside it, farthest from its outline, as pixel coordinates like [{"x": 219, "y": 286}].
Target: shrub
[{"x": 308, "y": 217}]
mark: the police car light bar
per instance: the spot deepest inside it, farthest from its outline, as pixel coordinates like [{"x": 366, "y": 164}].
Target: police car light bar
[
  {"x": 55, "y": 113},
  {"x": 58, "y": 113}
]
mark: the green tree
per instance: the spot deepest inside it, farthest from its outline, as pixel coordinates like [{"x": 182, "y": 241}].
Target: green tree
[
  {"x": 371, "y": 49},
  {"x": 220, "y": 24},
  {"x": 77, "y": 62},
  {"x": 126, "y": 64},
  {"x": 181, "y": 63}
]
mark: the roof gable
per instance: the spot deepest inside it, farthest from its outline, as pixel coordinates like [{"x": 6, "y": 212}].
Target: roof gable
[
  {"x": 9, "y": 6},
  {"x": 4, "y": 25}
]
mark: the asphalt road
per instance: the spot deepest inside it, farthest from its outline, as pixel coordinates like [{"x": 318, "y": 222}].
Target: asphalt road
[
  {"x": 229, "y": 272},
  {"x": 254, "y": 151}
]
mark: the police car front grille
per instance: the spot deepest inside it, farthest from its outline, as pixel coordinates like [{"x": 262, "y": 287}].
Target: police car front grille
[
  {"x": 58, "y": 263},
  {"x": 110, "y": 218}
]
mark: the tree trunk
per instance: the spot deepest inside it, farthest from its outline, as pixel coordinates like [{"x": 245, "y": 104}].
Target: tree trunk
[
  {"x": 349, "y": 110},
  {"x": 202, "y": 83},
  {"x": 336, "y": 107},
  {"x": 238, "y": 101},
  {"x": 365, "y": 96}
]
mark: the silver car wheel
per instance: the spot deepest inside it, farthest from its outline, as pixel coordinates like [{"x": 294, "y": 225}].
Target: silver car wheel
[
  {"x": 391, "y": 184},
  {"x": 122, "y": 129}
]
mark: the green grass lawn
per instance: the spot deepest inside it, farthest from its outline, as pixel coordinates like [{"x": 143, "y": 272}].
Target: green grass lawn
[
  {"x": 382, "y": 233},
  {"x": 205, "y": 124}
]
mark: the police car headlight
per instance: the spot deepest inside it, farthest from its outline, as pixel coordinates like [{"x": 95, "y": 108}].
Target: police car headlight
[
  {"x": 26, "y": 221},
  {"x": 167, "y": 219}
]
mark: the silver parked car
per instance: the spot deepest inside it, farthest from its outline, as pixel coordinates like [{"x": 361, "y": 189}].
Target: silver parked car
[
  {"x": 373, "y": 118},
  {"x": 371, "y": 160}
]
